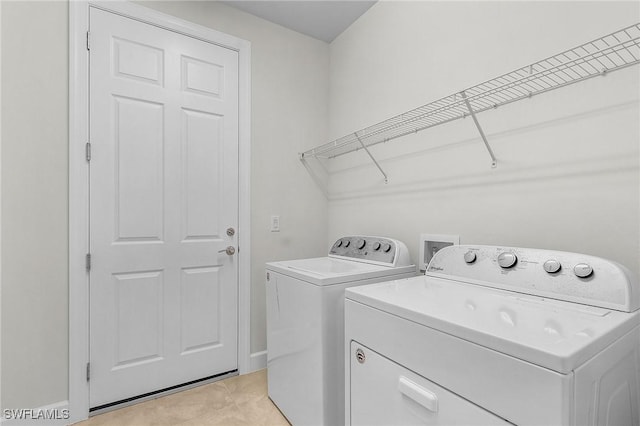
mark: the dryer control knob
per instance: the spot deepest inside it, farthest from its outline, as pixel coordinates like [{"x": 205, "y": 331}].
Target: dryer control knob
[
  {"x": 360, "y": 244},
  {"x": 345, "y": 243},
  {"x": 552, "y": 266},
  {"x": 469, "y": 257},
  {"x": 582, "y": 270},
  {"x": 338, "y": 243},
  {"x": 386, "y": 247},
  {"x": 507, "y": 259},
  {"x": 376, "y": 246}
]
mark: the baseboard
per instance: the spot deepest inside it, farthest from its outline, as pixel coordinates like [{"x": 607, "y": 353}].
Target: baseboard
[
  {"x": 258, "y": 361},
  {"x": 50, "y": 415}
]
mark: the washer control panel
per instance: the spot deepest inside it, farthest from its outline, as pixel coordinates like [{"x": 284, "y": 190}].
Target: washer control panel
[
  {"x": 378, "y": 250},
  {"x": 559, "y": 275}
]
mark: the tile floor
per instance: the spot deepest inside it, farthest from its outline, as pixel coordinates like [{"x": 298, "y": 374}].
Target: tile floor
[{"x": 240, "y": 400}]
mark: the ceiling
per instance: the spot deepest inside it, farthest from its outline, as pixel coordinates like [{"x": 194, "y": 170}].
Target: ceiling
[{"x": 323, "y": 20}]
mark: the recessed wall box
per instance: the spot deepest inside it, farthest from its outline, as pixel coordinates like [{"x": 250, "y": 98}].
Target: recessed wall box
[{"x": 431, "y": 243}]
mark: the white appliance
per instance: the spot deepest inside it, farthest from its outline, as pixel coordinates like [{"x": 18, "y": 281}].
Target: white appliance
[
  {"x": 305, "y": 323},
  {"x": 494, "y": 336}
]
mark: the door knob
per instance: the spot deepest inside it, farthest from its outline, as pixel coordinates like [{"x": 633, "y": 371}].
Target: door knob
[{"x": 229, "y": 250}]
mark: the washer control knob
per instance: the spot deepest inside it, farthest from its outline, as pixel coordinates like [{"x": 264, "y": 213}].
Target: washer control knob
[
  {"x": 360, "y": 244},
  {"x": 386, "y": 247},
  {"x": 376, "y": 246},
  {"x": 346, "y": 243},
  {"x": 552, "y": 266},
  {"x": 507, "y": 259},
  {"x": 338, "y": 243},
  {"x": 582, "y": 270},
  {"x": 469, "y": 257}
]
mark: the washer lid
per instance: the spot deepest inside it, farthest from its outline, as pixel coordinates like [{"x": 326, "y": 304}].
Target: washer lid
[
  {"x": 328, "y": 270},
  {"x": 554, "y": 334}
]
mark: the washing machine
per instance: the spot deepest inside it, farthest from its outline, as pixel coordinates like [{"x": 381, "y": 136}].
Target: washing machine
[
  {"x": 305, "y": 323},
  {"x": 496, "y": 336}
]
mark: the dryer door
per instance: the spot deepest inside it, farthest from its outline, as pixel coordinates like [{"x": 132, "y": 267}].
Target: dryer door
[{"x": 385, "y": 393}]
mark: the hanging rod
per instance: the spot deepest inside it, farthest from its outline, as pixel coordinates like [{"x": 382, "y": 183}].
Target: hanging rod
[{"x": 601, "y": 56}]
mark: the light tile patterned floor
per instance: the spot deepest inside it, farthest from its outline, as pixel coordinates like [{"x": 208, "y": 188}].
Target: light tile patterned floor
[{"x": 240, "y": 400}]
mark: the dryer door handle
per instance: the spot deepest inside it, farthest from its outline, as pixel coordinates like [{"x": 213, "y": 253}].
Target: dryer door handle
[{"x": 422, "y": 396}]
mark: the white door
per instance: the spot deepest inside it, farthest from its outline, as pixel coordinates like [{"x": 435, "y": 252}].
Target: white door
[{"x": 163, "y": 192}]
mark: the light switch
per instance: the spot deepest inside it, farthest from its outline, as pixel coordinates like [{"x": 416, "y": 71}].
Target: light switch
[{"x": 275, "y": 223}]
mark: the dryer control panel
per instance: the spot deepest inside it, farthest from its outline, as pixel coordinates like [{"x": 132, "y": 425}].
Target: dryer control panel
[
  {"x": 558, "y": 275},
  {"x": 376, "y": 250}
]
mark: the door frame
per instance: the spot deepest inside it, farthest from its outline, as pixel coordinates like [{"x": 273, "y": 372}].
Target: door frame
[{"x": 79, "y": 182}]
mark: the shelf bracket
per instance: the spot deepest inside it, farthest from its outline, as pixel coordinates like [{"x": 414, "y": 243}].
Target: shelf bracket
[
  {"x": 386, "y": 180},
  {"x": 494, "y": 162}
]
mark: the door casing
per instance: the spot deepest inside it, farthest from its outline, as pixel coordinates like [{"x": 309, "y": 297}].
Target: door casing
[{"x": 79, "y": 183}]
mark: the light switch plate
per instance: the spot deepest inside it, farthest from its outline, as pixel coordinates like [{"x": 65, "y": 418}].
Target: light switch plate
[{"x": 275, "y": 223}]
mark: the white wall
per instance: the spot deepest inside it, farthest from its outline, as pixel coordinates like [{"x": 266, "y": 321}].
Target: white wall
[
  {"x": 0, "y": 209},
  {"x": 34, "y": 203},
  {"x": 568, "y": 161},
  {"x": 289, "y": 114}
]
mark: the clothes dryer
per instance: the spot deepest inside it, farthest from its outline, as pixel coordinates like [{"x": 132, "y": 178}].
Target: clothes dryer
[{"x": 496, "y": 336}]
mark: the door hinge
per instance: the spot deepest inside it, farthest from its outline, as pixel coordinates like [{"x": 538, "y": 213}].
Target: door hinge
[
  {"x": 87, "y": 150},
  {"x": 88, "y": 371},
  {"x": 88, "y": 40},
  {"x": 88, "y": 261}
]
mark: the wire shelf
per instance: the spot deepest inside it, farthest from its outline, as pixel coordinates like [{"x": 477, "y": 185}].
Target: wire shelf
[{"x": 598, "y": 57}]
